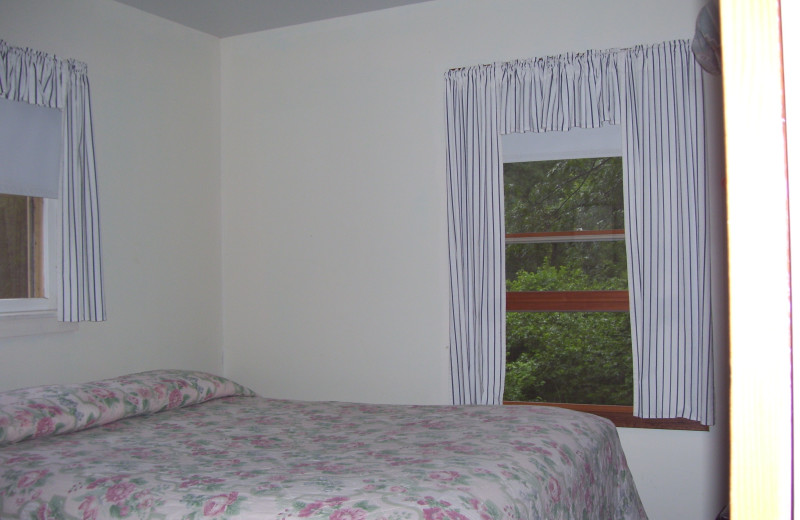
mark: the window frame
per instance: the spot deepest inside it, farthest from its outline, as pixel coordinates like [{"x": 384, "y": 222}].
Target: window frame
[
  {"x": 565, "y": 301},
  {"x": 43, "y": 283},
  {"x": 577, "y": 143},
  {"x": 622, "y": 416},
  {"x": 38, "y": 315},
  {"x": 587, "y": 301}
]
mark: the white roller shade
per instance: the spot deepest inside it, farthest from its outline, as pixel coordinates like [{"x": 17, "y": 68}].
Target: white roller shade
[
  {"x": 30, "y": 149},
  {"x": 576, "y": 143}
]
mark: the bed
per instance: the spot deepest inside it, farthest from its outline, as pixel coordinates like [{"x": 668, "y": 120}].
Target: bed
[{"x": 183, "y": 444}]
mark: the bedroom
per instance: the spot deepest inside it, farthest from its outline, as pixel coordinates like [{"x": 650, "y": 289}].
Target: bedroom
[{"x": 239, "y": 164}]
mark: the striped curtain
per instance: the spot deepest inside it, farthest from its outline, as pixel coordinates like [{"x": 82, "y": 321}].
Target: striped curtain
[
  {"x": 476, "y": 231},
  {"x": 633, "y": 88},
  {"x": 42, "y": 79},
  {"x": 667, "y": 233}
]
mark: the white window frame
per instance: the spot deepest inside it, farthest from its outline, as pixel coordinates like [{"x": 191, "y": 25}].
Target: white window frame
[
  {"x": 578, "y": 143},
  {"x": 28, "y": 316}
]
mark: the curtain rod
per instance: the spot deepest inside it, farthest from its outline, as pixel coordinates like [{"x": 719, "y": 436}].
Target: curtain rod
[{"x": 576, "y": 53}]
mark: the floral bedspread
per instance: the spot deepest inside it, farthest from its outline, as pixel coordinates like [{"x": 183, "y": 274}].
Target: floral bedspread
[{"x": 247, "y": 457}]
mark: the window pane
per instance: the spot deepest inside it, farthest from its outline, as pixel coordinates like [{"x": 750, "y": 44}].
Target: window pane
[
  {"x": 569, "y": 357},
  {"x": 567, "y": 266},
  {"x": 20, "y": 246},
  {"x": 564, "y": 195}
]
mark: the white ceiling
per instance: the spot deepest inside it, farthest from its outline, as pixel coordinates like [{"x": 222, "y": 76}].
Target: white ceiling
[{"x": 223, "y": 18}]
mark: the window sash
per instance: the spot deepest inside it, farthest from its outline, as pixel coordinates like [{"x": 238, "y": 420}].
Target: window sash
[
  {"x": 550, "y": 237},
  {"x": 587, "y": 301},
  {"x": 44, "y": 300},
  {"x": 559, "y": 301},
  {"x": 567, "y": 301}
]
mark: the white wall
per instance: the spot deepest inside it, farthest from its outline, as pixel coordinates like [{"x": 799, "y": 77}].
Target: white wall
[
  {"x": 155, "y": 101},
  {"x": 334, "y": 199},
  {"x": 333, "y": 229}
]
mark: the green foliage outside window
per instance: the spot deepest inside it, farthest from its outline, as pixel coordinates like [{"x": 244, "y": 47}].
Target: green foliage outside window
[{"x": 577, "y": 357}]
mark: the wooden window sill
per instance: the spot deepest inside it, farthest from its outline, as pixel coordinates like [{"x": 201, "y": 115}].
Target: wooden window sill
[{"x": 622, "y": 416}]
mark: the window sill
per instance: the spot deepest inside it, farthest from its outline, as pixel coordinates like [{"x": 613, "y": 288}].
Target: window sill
[
  {"x": 622, "y": 416},
  {"x": 32, "y": 323}
]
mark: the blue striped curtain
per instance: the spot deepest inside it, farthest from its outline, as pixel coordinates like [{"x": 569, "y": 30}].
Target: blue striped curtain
[
  {"x": 640, "y": 90},
  {"x": 476, "y": 230},
  {"x": 667, "y": 233},
  {"x": 42, "y": 79}
]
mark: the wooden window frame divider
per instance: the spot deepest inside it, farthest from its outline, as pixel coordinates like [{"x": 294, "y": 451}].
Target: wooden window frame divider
[{"x": 567, "y": 301}]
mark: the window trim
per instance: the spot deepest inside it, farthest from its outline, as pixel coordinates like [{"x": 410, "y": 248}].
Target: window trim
[
  {"x": 551, "y": 237},
  {"x": 30, "y": 316},
  {"x": 622, "y": 416},
  {"x": 32, "y": 323},
  {"x": 49, "y": 237}
]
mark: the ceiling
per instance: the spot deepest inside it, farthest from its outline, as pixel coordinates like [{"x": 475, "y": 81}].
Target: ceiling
[{"x": 224, "y": 18}]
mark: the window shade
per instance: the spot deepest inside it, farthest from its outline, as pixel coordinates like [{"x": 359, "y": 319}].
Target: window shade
[
  {"x": 576, "y": 143},
  {"x": 30, "y": 149}
]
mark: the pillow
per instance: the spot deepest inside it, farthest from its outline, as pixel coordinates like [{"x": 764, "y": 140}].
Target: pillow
[{"x": 40, "y": 411}]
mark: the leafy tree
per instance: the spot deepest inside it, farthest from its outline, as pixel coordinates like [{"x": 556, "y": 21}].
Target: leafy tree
[
  {"x": 566, "y": 195},
  {"x": 580, "y": 357},
  {"x": 557, "y": 356}
]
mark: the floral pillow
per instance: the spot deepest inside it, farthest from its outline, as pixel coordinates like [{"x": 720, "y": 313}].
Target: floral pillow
[{"x": 39, "y": 411}]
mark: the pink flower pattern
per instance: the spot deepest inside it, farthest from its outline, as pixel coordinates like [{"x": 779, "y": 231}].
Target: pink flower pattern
[
  {"x": 217, "y": 505},
  {"x": 30, "y": 478},
  {"x": 554, "y": 489},
  {"x": 349, "y": 514},
  {"x": 45, "y": 426},
  {"x": 119, "y": 492},
  {"x": 446, "y": 476},
  {"x": 89, "y": 508},
  {"x": 243, "y": 457},
  {"x": 41, "y": 411},
  {"x": 175, "y": 398}
]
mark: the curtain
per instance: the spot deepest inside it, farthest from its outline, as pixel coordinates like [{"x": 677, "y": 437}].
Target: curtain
[
  {"x": 666, "y": 227},
  {"x": 476, "y": 231},
  {"x": 673, "y": 372},
  {"x": 45, "y": 80}
]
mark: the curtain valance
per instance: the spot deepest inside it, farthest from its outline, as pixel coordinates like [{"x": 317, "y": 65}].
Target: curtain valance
[{"x": 559, "y": 93}]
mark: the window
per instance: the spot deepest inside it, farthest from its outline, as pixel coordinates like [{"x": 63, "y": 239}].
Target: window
[
  {"x": 21, "y": 232},
  {"x": 29, "y": 266},
  {"x": 29, "y": 167},
  {"x": 568, "y": 340},
  {"x": 566, "y": 277},
  {"x": 27, "y": 242}
]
